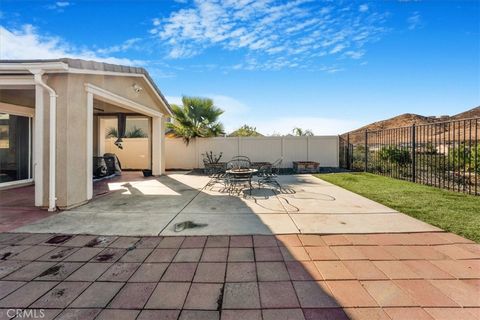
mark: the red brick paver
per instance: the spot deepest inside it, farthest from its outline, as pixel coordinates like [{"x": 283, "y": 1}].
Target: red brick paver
[{"x": 294, "y": 277}]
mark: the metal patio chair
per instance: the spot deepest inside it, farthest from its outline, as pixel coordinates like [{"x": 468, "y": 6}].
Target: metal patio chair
[
  {"x": 242, "y": 178},
  {"x": 268, "y": 174},
  {"x": 216, "y": 172}
]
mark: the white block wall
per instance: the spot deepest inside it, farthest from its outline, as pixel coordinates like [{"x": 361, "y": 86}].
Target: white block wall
[{"x": 323, "y": 149}]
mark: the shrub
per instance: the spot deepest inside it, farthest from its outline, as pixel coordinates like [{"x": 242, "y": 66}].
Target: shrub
[{"x": 394, "y": 154}]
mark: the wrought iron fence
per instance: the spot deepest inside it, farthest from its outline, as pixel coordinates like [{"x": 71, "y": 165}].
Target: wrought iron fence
[{"x": 440, "y": 154}]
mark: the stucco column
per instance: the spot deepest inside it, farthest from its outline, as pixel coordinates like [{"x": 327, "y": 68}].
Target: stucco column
[
  {"x": 162, "y": 145},
  {"x": 158, "y": 146},
  {"x": 101, "y": 136},
  {"x": 89, "y": 165},
  {"x": 38, "y": 147}
]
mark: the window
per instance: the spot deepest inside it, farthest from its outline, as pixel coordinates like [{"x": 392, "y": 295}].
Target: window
[{"x": 15, "y": 148}]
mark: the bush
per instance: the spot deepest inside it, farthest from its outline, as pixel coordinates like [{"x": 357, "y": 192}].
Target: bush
[
  {"x": 464, "y": 155},
  {"x": 394, "y": 154}
]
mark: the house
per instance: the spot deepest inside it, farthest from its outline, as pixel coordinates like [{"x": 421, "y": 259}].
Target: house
[{"x": 51, "y": 113}]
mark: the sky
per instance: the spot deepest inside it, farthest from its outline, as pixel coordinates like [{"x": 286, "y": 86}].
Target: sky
[{"x": 327, "y": 66}]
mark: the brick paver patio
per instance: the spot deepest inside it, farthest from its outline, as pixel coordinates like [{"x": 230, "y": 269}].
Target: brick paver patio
[{"x": 374, "y": 276}]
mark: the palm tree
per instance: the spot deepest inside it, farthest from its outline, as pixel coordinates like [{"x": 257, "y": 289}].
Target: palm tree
[
  {"x": 111, "y": 133},
  {"x": 302, "y": 133},
  {"x": 132, "y": 133},
  {"x": 198, "y": 117},
  {"x": 136, "y": 133}
]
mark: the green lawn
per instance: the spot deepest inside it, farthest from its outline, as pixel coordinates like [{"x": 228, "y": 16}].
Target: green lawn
[{"x": 451, "y": 211}]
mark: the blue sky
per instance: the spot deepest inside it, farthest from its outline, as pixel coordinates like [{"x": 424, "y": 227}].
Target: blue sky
[{"x": 328, "y": 66}]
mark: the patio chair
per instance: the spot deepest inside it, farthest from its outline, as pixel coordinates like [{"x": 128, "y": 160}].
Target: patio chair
[
  {"x": 239, "y": 162},
  {"x": 244, "y": 158},
  {"x": 216, "y": 172},
  {"x": 232, "y": 180},
  {"x": 268, "y": 174}
]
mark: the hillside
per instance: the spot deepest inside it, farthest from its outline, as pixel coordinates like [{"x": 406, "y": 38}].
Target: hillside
[{"x": 408, "y": 119}]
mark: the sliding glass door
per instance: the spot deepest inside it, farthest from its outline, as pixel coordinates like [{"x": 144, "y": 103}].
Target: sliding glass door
[{"x": 15, "y": 148}]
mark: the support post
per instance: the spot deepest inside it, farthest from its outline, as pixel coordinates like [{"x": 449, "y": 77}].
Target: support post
[
  {"x": 38, "y": 145},
  {"x": 348, "y": 152},
  {"x": 366, "y": 150},
  {"x": 163, "y": 155},
  {"x": 89, "y": 165},
  {"x": 414, "y": 151},
  {"x": 157, "y": 153},
  {"x": 101, "y": 136}
]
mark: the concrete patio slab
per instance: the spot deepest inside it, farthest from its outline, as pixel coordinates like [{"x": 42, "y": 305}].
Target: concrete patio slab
[
  {"x": 215, "y": 200},
  {"x": 233, "y": 224},
  {"x": 360, "y": 223},
  {"x": 133, "y": 205},
  {"x": 308, "y": 194},
  {"x": 107, "y": 223},
  {"x": 165, "y": 194}
]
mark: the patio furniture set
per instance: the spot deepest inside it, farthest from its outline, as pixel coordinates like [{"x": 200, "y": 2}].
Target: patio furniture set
[{"x": 238, "y": 174}]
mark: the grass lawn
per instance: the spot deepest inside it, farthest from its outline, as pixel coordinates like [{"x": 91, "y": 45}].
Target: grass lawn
[{"x": 451, "y": 211}]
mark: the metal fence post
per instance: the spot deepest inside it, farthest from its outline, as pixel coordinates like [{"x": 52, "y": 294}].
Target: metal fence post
[
  {"x": 366, "y": 150},
  {"x": 414, "y": 151},
  {"x": 348, "y": 152}
]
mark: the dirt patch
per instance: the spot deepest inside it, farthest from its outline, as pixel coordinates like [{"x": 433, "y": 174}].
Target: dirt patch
[
  {"x": 97, "y": 241},
  {"x": 60, "y": 254},
  {"x": 188, "y": 225},
  {"x": 220, "y": 299},
  {"x": 5, "y": 255},
  {"x": 104, "y": 257},
  {"x": 59, "y": 292},
  {"x": 59, "y": 239},
  {"x": 52, "y": 271}
]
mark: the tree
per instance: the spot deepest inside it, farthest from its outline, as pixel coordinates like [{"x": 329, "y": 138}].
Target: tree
[
  {"x": 301, "y": 132},
  {"x": 111, "y": 133},
  {"x": 197, "y": 117},
  {"x": 135, "y": 132},
  {"x": 246, "y": 131}
]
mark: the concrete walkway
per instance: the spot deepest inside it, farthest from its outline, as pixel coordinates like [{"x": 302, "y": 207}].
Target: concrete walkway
[
  {"x": 140, "y": 207},
  {"x": 295, "y": 277}
]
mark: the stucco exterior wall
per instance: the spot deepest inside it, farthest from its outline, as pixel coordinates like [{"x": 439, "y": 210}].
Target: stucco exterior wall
[{"x": 71, "y": 156}]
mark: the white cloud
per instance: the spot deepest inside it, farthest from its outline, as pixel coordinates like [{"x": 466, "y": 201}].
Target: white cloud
[
  {"x": 174, "y": 100},
  {"x": 268, "y": 31},
  {"x": 59, "y": 5},
  {"x": 126, "y": 45},
  {"x": 363, "y": 8},
  {"x": 414, "y": 21},
  {"x": 62, "y": 4},
  {"x": 237, "y": 114},
  {"x": 28, "y": 43}
]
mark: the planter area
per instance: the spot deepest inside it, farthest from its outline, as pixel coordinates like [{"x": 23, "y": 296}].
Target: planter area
[{"x": 305, "y": 166}]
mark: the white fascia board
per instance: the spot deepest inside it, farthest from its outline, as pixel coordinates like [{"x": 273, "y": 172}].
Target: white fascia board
[
  {"x": 46, "y": 66},
  {"x": 20, "y": 80}
]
